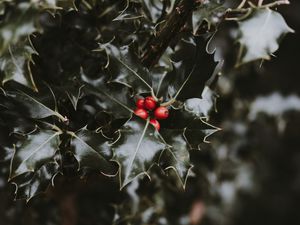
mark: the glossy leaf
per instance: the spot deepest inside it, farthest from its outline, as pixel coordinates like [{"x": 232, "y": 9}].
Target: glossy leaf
[
  {"x": 36, "y": 108},
  {"x": 75, "y": 94},
  {"x": 38, "y": 149},
  {"x": 160, "y": 71},
  {"x": 260, "y": 34},
  {"x": 177, "y": 156},
  {"x": 201, "y": 107},
  {"x": 153, "y": 9},
  {"x": 192, "y": 66},
  {"x": 55, "y": 4},
  {"x": 210, "y": 11},
  {"x": 92, "y": 150},
  {"x": 198, "y": 131},
  {"x": 17, "y": 24},
  {"x": 2, "y": 6},
  {"x": 14, "y": 64},
  {"x": 31, "y": 184},
  {"x": 128, "y": 13},
  {"x": 136, "y": 149},
  {"x": 125, "y": 67},
  {"x": 112, "y": 98}
]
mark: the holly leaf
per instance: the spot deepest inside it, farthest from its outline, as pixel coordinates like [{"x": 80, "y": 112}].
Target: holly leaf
[
  {"x": 34, "y": 107},
  {"x": 30, "y": 184},
  {"x": 38, "y": 149},
  {"x": 201, "y": 107},
  {"x": 125, "y": 68},
  {"x": 177, "y": 156},
  {"x": 2, "y": 6},
  {"x": 56, "y": 4},
  {"x": 15, "y": 64},
  {"x": 17, "y": 24},
  {"x": 188, "y": 76},
  {"x": 92, "y": 150},
  {"x": 74, "y": 94},
  {"x": 197, "y": 132},
  {"x": 160, "y": 71},
  {"x": 136, "y": 148},
  {"x": 12, "y": 120},
  {"x": 210, "y": 11},
  {"x": 128, "y": 13},
  {"x": 260, "y": 34},
  {"x": 112, "y": 98},
  {"x": 153, "y": 9},
  {"x": 66, "y": 5}
]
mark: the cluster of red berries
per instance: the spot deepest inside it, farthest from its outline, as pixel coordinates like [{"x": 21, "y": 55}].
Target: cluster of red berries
[{"x": 148, "y": 105}]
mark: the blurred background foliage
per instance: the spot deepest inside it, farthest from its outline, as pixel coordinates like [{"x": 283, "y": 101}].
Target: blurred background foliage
[{"x": 248, "y": 174}]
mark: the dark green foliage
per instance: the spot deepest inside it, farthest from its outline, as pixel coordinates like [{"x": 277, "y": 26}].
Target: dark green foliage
[{"x": 70, "y": 74}]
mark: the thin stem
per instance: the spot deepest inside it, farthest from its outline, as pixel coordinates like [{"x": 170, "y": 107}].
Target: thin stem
[
  {"x": 248, "y": 11},
  {"x": 242, "y": 4},
  {"x": 273, "y": 4},
  {"x": 251, "y": 5}
]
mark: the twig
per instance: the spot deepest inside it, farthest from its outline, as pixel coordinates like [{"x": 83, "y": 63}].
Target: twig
[{"x": 168, "y": 31}]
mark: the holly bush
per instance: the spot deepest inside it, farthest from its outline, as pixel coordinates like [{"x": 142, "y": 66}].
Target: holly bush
[{"x": 72, "y": 76}]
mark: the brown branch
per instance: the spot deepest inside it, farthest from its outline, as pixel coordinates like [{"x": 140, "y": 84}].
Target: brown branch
[
  {"x": 168, "y": 31},
  {"x": 68, "y": 209}
]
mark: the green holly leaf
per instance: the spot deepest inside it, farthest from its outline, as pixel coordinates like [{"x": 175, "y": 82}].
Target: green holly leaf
[
  {"x": 15, "y": 64},
  {"x": 187, "y": 77},
  {"x": 113, "y": 98},
  {"x": 201, "y": 107},
  {"x": 92, "y": 150},
  {"x": 38, "y": 149},
  {"x": 197, "y": 132},
  {"x": 30, "y": 184},
  {"x": 128, "y": 13},
  {"x": 17, "y": 24},
  {"x": 153, "y": 9},
  {"x": 136, "y": 149},
  {"x": 160, "y": 71},
  {"x": 125, "y": 67},
  {"x": 12, "y": 120},
  {"x": 56, "y": 4},
  {"x": 2, "y": 6},
  {"x": 260, "y": 34},
  {"x": 177, "y": 156},
  {"x": 48, "y": 3},
  {"x": 65, "y": 4},
  {"x": 53, "y": 4},
  {"x": 33, "y": 106},
  {"x": 210, "y": 11},
  {"x": 74, "y": 94}
]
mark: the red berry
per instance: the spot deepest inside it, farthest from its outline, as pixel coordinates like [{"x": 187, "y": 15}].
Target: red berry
[
  {"x": 150, "y": 103},
  {"x": 155, "y": 123},
  {"x": 161, "y": 113},
  {"x": 140, "y": 103},
  {"x": 141, "y": 113}
]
